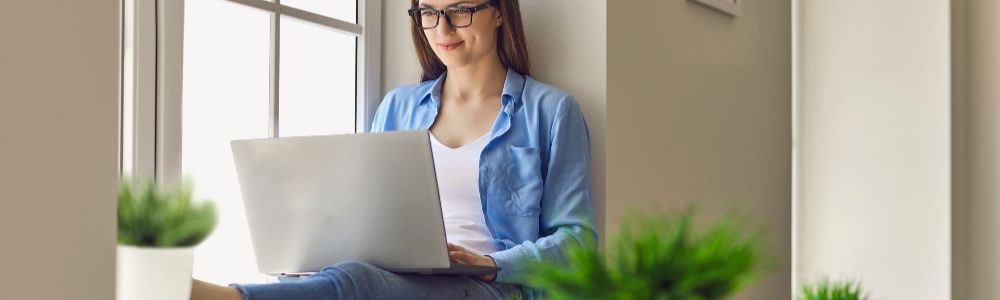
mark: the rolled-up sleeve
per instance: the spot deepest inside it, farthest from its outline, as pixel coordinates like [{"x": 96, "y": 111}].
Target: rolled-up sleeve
[{"x": 567, "y": 208}]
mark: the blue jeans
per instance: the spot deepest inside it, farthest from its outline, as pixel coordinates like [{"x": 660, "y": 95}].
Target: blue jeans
[{"x": 359, "y": 280}]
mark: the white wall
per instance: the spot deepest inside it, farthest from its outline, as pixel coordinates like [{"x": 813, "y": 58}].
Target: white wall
[
  {"x": 59, "y": 95},
  {"x": 567, "y": 46},
  {"x": 874, "y": 145}
]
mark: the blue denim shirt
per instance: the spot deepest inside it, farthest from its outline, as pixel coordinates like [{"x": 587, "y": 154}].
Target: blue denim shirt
[{"x": 534, "y": 172}]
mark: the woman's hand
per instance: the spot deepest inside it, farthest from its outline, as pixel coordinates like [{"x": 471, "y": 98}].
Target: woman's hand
[{"x": 461, "y": 255}]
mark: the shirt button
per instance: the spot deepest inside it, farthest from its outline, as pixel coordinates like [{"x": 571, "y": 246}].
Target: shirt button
[{"x": 482, "y": 169}]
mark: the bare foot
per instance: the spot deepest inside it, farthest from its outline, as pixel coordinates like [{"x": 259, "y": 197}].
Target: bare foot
[{"x": 201, "y": 290}]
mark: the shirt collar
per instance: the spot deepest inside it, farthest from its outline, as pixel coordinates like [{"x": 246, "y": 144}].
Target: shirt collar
[{"x": 513, "y": 85}]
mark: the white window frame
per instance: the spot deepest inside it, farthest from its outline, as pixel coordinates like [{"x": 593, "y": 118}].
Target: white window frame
[{"x": 152, "y": 77}]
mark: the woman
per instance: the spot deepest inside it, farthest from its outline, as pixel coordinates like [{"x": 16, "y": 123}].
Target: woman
[{"x": 512, "y": 156}]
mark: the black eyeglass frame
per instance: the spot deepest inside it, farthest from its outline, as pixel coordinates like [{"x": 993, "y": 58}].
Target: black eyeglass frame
[{"x": 415, "y": 13}]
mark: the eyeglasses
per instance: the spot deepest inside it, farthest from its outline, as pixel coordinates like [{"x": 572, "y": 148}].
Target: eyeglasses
[{"x": 458, "y": 17}]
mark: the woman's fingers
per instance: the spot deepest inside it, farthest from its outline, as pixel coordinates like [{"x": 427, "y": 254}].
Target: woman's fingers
[
  {"x": 467, "y": 257},
  {"x": 457, "y": 256},
  {"x": 462, "y": 256},
  {"x": 456, "y": 247},
  {"x": 455, "y": 253}
]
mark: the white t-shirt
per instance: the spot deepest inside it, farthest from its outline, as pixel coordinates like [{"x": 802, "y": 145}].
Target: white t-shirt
[{"x": 458, "y": 183}]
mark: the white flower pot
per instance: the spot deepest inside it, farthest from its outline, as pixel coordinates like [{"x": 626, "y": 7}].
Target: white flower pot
[{"x": 154, "y": 273}]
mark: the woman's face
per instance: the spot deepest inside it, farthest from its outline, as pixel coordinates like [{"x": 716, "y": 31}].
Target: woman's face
[{"x": 457, "y": 47}]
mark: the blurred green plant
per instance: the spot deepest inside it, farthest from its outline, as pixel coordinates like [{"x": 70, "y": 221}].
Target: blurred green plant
[
  {"x": 658, "y": 257},
  {"x": 152, "y": 216},
  {"x": 827, "y": 290}
]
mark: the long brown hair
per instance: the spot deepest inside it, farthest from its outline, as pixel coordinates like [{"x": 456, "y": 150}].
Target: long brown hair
[{"x": 511, "y": 45}]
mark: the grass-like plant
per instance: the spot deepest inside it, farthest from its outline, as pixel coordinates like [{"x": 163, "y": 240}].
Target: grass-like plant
[
  {"x": 828, "y": 290},
  {"x": 151, "y": 216},
  {"x": 658, "y": 257}
]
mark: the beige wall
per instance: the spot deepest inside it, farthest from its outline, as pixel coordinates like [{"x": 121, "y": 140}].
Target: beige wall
[
  {"x": 874, "y": 141},
  {"x": 59, "y": 67},
  {"x": 960, "y": 285},
  {"x": 699, "y": 112},
  {"x": 399, "y": 60},
  {"x": 976, "y": 156},
  {"x": 567, "y": 49}
]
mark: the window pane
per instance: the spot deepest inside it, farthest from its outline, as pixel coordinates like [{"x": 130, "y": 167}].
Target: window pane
[
  {"x": 226, "y": 67},
  {"x": 345, "y": 10},
  {"x": 317, "y": 80}
]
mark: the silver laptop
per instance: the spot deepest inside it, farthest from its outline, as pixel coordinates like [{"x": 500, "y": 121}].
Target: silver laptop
[{"x": 315, "y": 201}]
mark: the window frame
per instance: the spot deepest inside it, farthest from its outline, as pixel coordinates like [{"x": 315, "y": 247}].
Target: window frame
[{"x": 152, "y": 69}]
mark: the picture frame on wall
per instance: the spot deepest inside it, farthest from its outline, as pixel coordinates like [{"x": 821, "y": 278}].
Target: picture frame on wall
[{"x": 729, "y": 7}]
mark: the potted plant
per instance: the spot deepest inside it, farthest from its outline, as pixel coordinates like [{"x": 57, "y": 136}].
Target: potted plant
[
  {"x": 657, "y": 257},
  {"x": 827, "y": 290},
  {"x": 157, "y": 231}
]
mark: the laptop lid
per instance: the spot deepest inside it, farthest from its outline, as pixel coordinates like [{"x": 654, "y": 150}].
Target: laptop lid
[{"x": 314, "y": 201}]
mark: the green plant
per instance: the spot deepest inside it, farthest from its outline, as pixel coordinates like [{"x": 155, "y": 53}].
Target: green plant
[
  {"x": 657, "y": 258},
  {"x": 149, "y": 216},
  {"x": 827, "y": 290}
]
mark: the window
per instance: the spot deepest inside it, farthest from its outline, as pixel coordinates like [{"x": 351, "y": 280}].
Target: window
[{"x": 198, "y": 74}]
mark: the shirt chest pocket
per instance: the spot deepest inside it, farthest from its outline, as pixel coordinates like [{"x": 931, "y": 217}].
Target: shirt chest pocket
[{"x": 524, "y": 181}]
